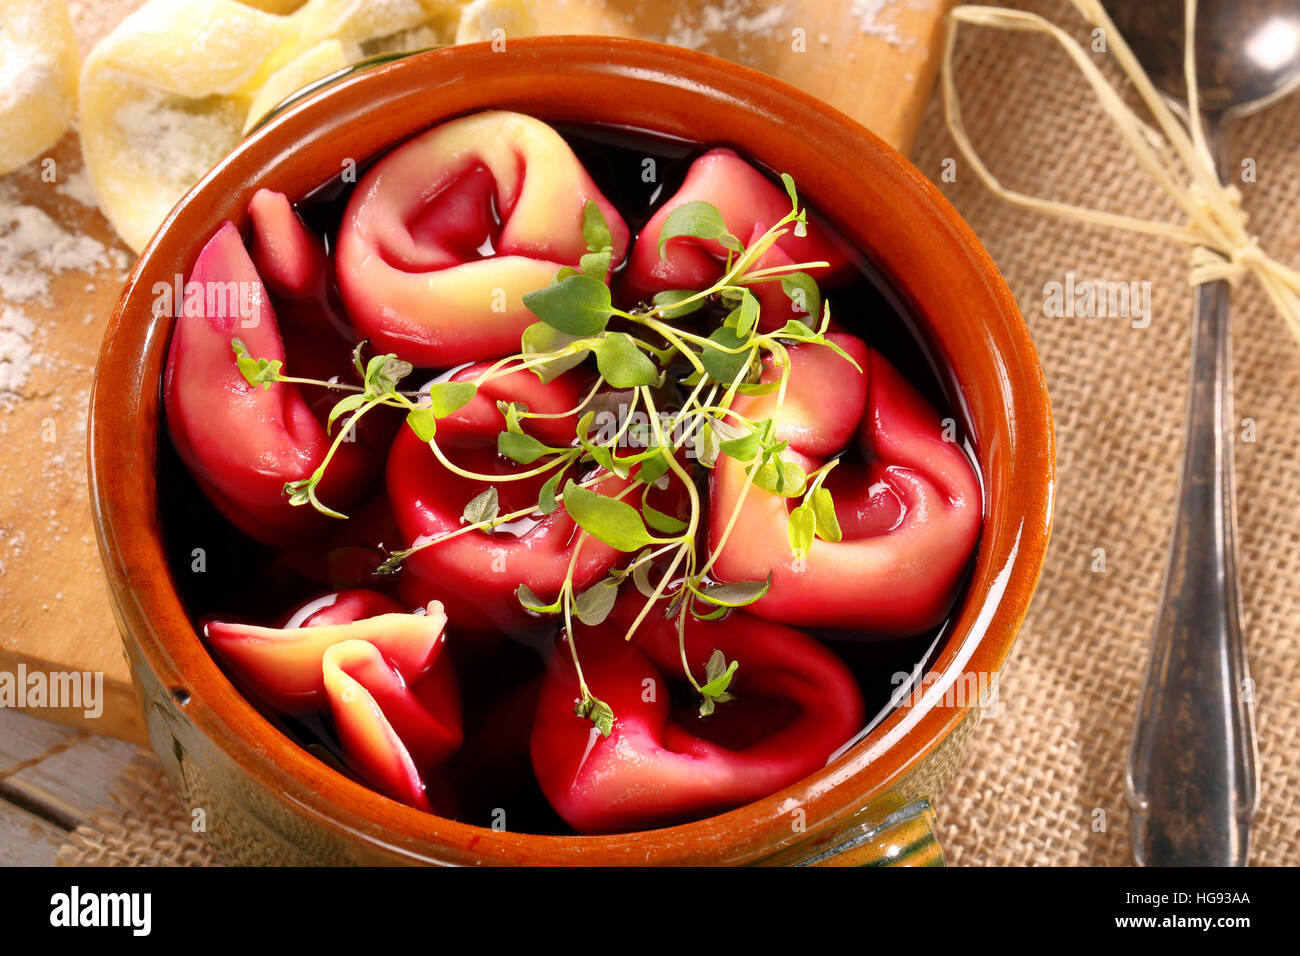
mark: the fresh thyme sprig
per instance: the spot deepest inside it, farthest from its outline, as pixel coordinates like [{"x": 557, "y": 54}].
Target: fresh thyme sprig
[{"x": 651, "y": 358}]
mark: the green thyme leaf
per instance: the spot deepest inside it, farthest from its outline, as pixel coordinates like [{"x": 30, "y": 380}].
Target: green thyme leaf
[
  {"x": 594, "y": 604},
  {"x": 728, "y": 432},
  {"x": 303, "y": 492},
  {"x": 595, "y": 229},
  {"x": 700, "y": 220},
  {"x": 724, "y": 367},
  {"x": 660, "y": 521},
  {"x": 717, "y": 674},
  {"x": 801, "y": 529},
  {"x": 828, "y": 525},
  {"x": 578, "y": 305},
  {"x": 675, "y": 601},
  {"x": 641, "y": 575},
  {"x": 606, "y": 459},
  {"x": 393, "y": 563},
  {"x": 546, "y": 497},
  {"x": 524, "y": 449},
  {"x": 736, "y": 593},
  {"x": 613, "y": 522},
  {"x": 482, "y": 507},
  {"x": 297, "y": 491},
  {"x": 801, "y": 289},
  {"x": 707, "y": 447},
  {"x": 532, "y": 602},
  {"x": 788, "y": 181},
  {"x": 540, "y": 338},
  {"x": 595, "y": 265},
  {"x": 422, "y": 421},
  {"x": 709, "y": 704},
  {"x": 598, "y": 712},
  {"x": 622, "y": 363},
  {"x": 447, "y": 397},
  {"x": 256, "y": 371},
  {"x": 714, "y": 614},
  {"x": 784, "y": 478},
  {"x": 653, "y": 468},
  {"x": 795, "y": 327},
  {"x": 383, "y": 372},
  {"x": 343, "y": 406},
  {"x": 744, "y": 317},
  {"x": 667, "y": 303},
  {"x": 744, "y": 449}
]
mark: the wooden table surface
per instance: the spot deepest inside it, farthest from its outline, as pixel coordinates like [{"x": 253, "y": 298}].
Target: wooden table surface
[{"x": 52, "y": 779}]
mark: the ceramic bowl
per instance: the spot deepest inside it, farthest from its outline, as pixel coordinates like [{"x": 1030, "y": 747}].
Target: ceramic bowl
[{"x": 267, "y": 800}]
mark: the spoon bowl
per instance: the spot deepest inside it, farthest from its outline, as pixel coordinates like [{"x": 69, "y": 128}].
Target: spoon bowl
[{"x": 1247, "y": 53}]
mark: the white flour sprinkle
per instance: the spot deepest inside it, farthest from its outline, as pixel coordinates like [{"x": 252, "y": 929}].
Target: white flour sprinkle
[
  {"x": 867, "y": 14},
  {"x": 34, "y": 248},
  {"x": 78, "y": 187},
  {"x": 16, "y": 353},
  {"x": 739, "y": 20}
]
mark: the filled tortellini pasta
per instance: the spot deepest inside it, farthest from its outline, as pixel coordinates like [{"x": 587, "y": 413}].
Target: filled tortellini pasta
[
  {"x": 445, "y": 235},
  {"x": 624, "y": 488},
  {"x": 173, "y": 88},
  {"x": 379, "y": 671},
  {"x": 176, "y": 85},
  {"x": 907, "y": 503},
  {"x": 794, "y": 704},
  {"x": 38, "y": 78}
]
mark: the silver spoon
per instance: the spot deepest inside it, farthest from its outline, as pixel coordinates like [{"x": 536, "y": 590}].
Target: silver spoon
[{"x": 1192, "y": 781}]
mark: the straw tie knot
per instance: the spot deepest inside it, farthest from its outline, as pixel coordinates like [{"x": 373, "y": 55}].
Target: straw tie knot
[{"x": 1213, "y": 265}]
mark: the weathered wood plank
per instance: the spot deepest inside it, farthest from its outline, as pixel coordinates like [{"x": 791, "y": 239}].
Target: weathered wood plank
[
  {"x": 55, "y": 772},
  {"x": 23, "y": 737},
  {"x": 26, "y": 839}
]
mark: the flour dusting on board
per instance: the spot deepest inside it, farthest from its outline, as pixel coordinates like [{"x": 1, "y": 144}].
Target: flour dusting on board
[
  {"x": 16, "y": 352},
  {"x": 740, "y": 21},
  {"x": 34, "y": 248},
  {"x": 747, "y": 24},
  {"x": 875, "y": 18},
  {"x": 44, "y": 385}
]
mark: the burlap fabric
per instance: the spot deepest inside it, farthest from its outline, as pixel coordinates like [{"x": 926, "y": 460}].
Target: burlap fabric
[
  {"x": 1038, "y": 772},
  {"x": 145, "y": 826}
]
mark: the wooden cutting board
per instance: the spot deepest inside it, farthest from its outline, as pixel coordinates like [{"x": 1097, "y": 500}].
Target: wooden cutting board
[{"x": 874, "y": 59}]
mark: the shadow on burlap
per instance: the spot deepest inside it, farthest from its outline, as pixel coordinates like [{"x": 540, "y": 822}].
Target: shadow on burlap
[{"x": 1037, "y": 774}]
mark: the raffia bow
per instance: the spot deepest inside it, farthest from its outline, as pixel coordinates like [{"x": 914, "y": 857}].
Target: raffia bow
[{"x": 1221, "y": 247}]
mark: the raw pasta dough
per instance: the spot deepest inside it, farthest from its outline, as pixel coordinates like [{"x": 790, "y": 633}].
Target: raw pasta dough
[
  {"x": 175, "y": 86},
  {"x": 38, "y": 78},
  {"x": 172, "y": 89}
]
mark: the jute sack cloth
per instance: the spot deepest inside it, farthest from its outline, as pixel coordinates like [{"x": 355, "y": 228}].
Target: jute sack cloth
[{"x": 1042, "y": 782}]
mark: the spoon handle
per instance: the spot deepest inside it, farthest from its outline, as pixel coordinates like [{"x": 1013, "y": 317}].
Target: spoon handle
[{"x": 1192, "y": 779}]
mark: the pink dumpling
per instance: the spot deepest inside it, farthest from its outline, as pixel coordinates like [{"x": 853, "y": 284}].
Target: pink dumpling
[
  {"x": 243, "y": 442},
  {"x": 476, "y": 574},
  {"x": 445, "y": 235},
  {"x": 749, "y": 203},
  {"x": 907, "y": 501},
  {"x": 795, "y": 704}
]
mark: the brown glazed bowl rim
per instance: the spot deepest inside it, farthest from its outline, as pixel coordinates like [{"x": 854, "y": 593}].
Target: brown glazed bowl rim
[{"x": 922, "y": 244}]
